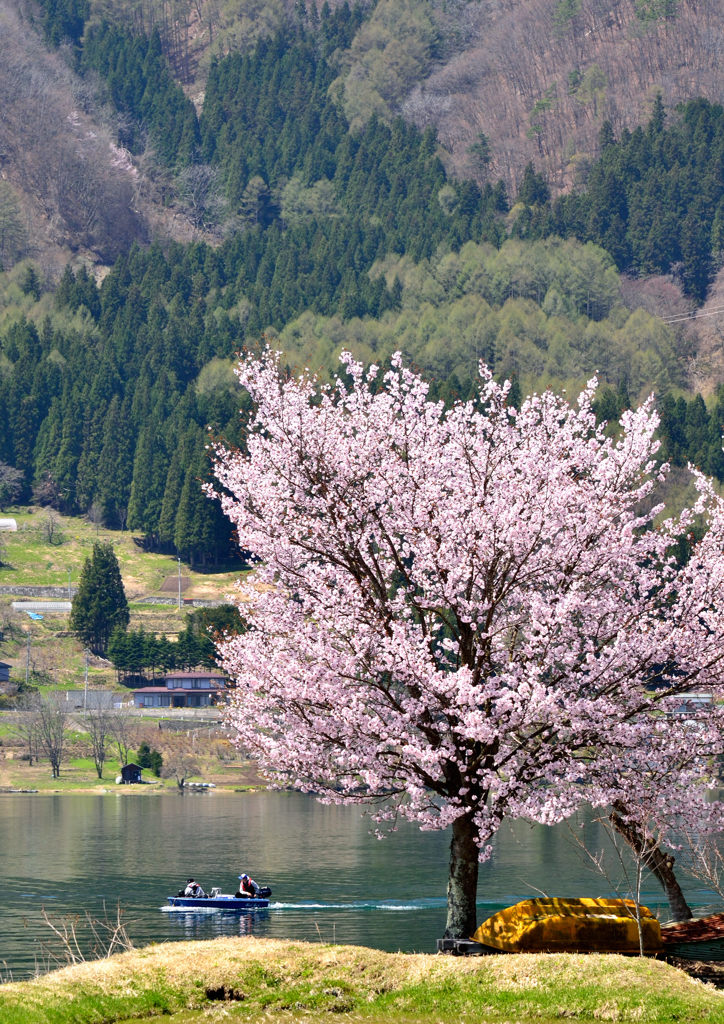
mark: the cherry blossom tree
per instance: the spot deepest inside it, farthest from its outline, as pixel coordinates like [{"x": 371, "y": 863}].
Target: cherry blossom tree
[{"x": 459, "y": 615}]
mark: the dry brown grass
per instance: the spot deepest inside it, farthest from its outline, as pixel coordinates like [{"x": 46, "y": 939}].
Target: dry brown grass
[{"x": 271, "y": 976}]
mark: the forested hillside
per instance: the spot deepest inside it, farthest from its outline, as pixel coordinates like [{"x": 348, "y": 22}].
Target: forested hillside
[
  {"x": 322, "y": 230},
  {"x": 537, "y": 78},
  {"x": 655, "y": 199}
]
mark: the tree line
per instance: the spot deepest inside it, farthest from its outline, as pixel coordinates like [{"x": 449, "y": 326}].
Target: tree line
[{"x": 137, "y": 655}]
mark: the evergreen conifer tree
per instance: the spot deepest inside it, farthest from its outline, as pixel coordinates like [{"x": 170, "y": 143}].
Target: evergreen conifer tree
[{"x": 100, "y": 604}]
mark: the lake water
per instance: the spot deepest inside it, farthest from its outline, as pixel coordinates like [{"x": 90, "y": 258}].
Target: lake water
[{"x": 332, "y": 880}]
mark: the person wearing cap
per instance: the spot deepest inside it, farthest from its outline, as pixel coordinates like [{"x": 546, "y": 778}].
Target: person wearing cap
[
  {"x": 193, "y": 889},
  {"x": 247, "y": 886}
]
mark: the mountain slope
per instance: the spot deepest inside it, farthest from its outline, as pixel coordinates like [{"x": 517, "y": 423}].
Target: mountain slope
[
  {"x": 539, "y": 77},
  {"x": 75, "y": 188}
]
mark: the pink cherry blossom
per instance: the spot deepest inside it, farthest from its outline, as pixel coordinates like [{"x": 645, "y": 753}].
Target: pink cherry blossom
[{"x": 456, "y": 615}]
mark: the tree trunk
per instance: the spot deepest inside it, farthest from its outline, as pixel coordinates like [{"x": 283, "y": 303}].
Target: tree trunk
[
  {"x": 462, "y": 886},
  {"x": 660, "y": 864}
]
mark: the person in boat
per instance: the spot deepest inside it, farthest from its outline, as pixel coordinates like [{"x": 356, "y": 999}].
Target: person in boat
[
  {"x": 247, "y": 886},
  {"x": 193, "y": 889}
]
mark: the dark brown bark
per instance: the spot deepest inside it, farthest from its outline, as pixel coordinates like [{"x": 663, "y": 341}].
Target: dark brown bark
[
  {"x": 660, "y": 864},
  {"x": 462, "y": 887}
]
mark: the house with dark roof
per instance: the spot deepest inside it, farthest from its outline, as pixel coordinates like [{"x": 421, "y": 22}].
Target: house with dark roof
[{"x": 183, "y": 690}]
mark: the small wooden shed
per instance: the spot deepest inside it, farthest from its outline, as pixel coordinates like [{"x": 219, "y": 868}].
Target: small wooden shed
[{"x": 131, "y": 773}]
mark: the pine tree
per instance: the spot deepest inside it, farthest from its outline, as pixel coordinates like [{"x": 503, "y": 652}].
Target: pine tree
[{"x": 100, "y": 604}]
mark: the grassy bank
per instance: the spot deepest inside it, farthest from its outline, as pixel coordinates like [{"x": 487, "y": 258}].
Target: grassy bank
[
  {"x": 49, "y": 549},
  {"x": 261, "y": 980}
]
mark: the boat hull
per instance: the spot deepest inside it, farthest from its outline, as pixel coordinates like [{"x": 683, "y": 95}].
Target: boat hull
[
  {"x": 698, "y": 939},
  {"x": 217, "y": 902},
  {"x": 558, "y": 925}
]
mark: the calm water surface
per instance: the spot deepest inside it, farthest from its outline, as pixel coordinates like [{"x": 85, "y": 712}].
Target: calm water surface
[{"x": 331, "y": 878}]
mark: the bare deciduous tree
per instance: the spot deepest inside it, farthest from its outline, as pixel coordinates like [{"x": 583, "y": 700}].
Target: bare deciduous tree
[
  {"x": 50, "y": 529},
  {"x": 179, "y": 765},
  {"x": 539, "y": 83},
  {"x": 200, "y": 195},
  {"x": 704, "y": 858},
  {"x": 11, "y": 483},
  {"x": 52, "y": 721},
  {"x": 13, "y": 237},
  {"x": 64, "y": 161},
  {"x": 125, "y": 731},
  {"x": 25, "y": 726},
  {"x": 649, "y": 854},
  {"x": 99, "y": 723},
  {"x": 630, "y": 861}
]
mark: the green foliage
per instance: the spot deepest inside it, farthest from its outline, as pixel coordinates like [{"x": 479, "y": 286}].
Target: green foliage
[
  {"x": 546, "y": 313},
  {"x": 655, "y": 10},
  {"x": 64, "y": 20},
  {"x": 481, "y": 150},
  {"x": 347, "y": 238},
  {"x": 205, "y": 625},
  {"x": 140, "y": 85},
  {"x": 546, "y": 102},
  {"x": 392, "y": 50},
  {"x": 533, "y": 189},
  {"x": 30, "y": 283},
  {"x": 651, "y": 199},
  {"x": 591, "y": 88},
  {"x": 137, "y": 654},
  {"x": 564, "y": 15},
  {"x": 691, "y": 433},
  {"x": 100, "y": 604},
  {"x": 105, "y": 408},
  {"x": 146, "y": 757},
  {"x": 300, "y": 203}
]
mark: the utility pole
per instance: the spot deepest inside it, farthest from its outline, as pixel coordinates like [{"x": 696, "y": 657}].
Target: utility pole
[
  {"x": 179, "y": 584},
  {"x": 27, "y": 661},
  {"x": 69, "y": 595},
  {"x": 85, "y": 690}
]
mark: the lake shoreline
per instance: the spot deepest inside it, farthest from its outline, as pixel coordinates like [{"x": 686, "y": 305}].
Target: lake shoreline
[{"x": 105, "y": 788}]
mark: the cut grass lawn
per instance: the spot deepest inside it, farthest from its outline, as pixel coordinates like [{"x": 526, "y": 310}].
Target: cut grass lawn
[{"x": 263, "y": 980}]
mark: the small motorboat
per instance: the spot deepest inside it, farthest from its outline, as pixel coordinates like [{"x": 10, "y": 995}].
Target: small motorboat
[
  {"x": 217, "y": 900},
  {"x": 573, "y": 925},
  {"x": 701, "y": 938}
]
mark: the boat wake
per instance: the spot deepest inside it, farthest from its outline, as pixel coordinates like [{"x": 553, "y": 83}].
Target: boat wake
[{"x": 393, "y": 905}]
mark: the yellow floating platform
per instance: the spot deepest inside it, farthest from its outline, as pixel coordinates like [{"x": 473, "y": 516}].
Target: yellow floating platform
[{"x": 568, "y": 925}]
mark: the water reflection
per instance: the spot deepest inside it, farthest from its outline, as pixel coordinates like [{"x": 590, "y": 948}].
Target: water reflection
[
  {"x": 332, "y": 880},
  {"x": 214, "y": 923}
]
